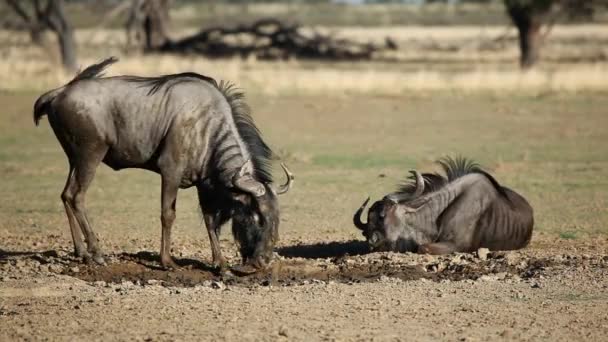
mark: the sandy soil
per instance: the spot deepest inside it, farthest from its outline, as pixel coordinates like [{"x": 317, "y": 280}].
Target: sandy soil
[{"x": 549, "y": 291}]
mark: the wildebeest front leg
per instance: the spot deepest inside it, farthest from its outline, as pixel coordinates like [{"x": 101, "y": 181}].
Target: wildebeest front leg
[
  {"x": 437, "y": 248},
  {"x": 167, "y": 217},
  {"x": 212, "y": 223}
]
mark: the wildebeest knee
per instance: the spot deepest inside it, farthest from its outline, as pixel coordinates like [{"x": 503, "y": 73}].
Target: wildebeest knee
[
  {"x": 67, "y": 197},
  {"x": 78, "y": 201},
  {"x": 167, "y": 216}
]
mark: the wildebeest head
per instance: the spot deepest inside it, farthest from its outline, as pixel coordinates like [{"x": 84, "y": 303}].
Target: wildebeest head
[
  {"x": 386, "y": 229},
  {"x": 255, "y": 220}
]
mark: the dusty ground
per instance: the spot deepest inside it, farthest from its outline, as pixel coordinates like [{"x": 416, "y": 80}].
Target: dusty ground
[
  {"x": 323, "y": 286},
  {"x": 534, "y": 294}
]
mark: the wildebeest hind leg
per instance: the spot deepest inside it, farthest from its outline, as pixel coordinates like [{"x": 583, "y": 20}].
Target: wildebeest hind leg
[
  {"x": 437, "y": 248},
  {"x": 167, "y": 216},
  {"x": 211, "y": 221},
  {"x": 84, "y": 172},
  {"x": 67, "y": 197}
]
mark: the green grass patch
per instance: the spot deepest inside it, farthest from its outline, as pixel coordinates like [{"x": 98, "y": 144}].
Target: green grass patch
[{"x": 568, "y": 235}]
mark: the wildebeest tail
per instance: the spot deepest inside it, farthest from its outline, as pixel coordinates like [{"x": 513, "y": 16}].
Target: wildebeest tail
[{"x": 42, "y": 105}]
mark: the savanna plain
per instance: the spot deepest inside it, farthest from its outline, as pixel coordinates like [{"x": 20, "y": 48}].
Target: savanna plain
[{"x": 539, "y": 134}]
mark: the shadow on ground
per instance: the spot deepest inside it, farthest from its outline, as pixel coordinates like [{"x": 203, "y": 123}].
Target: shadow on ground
[{"x": 325, "y": 250}]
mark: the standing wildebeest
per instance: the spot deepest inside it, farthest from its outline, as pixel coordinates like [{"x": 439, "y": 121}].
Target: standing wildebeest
[
  {"x": 461, "y": 212},
  {"x": 187, "y": 128}
]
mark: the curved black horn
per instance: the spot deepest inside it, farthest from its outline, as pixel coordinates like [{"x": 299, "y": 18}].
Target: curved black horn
[
  {"x": 357, "y": 218},
  {"x": 290, "y": 178},
  {"x": 419, "y": 183}
]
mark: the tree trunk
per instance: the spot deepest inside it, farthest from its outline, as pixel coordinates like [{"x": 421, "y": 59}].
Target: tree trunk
[
  {"x": 56, "y": 20},
  {"x": 528, "y": 18},
  {"x": 156, "y": 23},
  {"x": 529, "y": 44},
  {"x": 67, "y": 47}
]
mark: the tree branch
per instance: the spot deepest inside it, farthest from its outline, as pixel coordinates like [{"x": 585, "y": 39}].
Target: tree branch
[{"x": 21, "y": 12}]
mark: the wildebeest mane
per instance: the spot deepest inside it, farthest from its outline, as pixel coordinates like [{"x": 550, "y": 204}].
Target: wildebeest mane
[
  {"x": 94, "y": 71},
  {"x": 432, "y": 182},
  {"x": 155, "y": 83},
  {"x": 261, "y": 154},
  {"x": 453, "y": 168}
]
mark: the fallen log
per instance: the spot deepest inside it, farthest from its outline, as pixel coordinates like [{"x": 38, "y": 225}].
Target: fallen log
[{"x": 272, "y": 39}]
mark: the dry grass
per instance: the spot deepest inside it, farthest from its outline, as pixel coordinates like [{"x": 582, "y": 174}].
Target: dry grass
[
  {"x": 425, "y": 63},
  {"x": 286, "y": 77}
]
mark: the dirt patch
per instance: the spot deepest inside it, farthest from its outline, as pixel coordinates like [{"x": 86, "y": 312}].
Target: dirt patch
[{"x": 143, "y": 268}]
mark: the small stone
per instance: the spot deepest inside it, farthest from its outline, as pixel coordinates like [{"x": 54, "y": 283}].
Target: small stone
[
  {"x": 501, "y": 275},
  {"x": 218, "y": 285},
  {"x": 456, "y": 259},
  {"x": 486, "y": 277},
  {"x": 535, "y": 286},
  {"x": 100, "y": 283},
  {"x": 152, "y": 282},
  {"x": 55, "y": 268},
  {"x": 482, "y": 253},
  {"x": 512, "y": 259},
  {"x": 283, "y": 331},
  {"x": 74, "y": 269}
]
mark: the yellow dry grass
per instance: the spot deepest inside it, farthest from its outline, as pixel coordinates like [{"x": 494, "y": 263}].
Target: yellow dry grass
[{"x": 416, "y": 69}]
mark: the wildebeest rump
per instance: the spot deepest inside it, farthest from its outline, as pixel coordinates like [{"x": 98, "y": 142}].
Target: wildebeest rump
[
  {"x": 186, "y": 127},
  {"x": 460, "y": 212}
]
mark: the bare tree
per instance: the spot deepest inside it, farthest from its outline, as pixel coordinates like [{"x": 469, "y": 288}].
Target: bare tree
[
  {"x": 50, "y": 15},
  {"x": 529, "y": 16},
  {"x": 148, "y": 23}
]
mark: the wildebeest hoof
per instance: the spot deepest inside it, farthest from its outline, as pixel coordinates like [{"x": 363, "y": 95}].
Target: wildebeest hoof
[
  {"x": 98, "y": 258},
  {"x": 244, "y": 270},
  {"x": 220, "y": 264},
  {"x": 85, "y": 256},
  {"x": 169, "y": 264}
]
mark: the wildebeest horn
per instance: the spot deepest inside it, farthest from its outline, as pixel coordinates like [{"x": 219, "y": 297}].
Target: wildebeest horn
[
  {"x": 244, "y": 180},
  {"x": 290, "y": 178},
  {"x": 357, "y": 218},
  {"x": 419, "y": 183}
]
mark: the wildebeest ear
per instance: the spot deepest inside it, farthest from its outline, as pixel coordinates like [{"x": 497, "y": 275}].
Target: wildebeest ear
[
  {"x": 244, "y": 180},
  {"x": 250, "y": 185}
]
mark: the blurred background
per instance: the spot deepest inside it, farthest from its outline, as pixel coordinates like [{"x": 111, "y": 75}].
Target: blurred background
[
  {"x": 350, "y": 94},
  {"x": 312, "y": 46}
]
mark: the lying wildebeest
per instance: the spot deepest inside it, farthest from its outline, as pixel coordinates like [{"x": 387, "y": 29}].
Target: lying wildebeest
[
  {"x": 187, "y": 128},
  {"x": 461, "y": 212}
]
